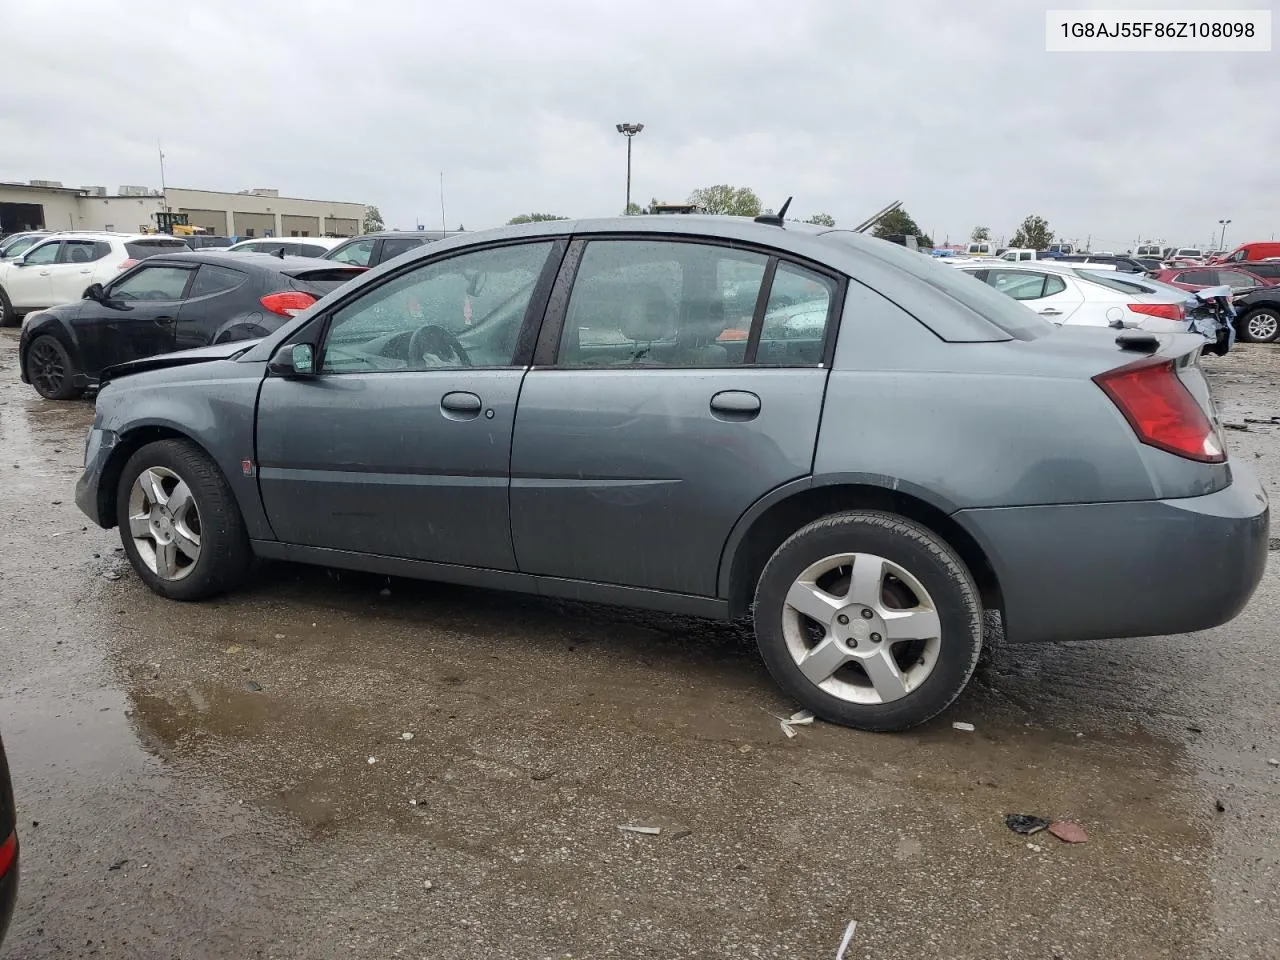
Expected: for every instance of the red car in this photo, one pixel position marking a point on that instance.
(1197, 277)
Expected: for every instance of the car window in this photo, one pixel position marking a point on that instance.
(141, 249)
(358, 253)
(212, 279)
(83, 251)
(20, 245)
(1270, 271)
(1236, 280)
(460, 312)
(305, 250)
(1053, 284)
(1205, 277)
(1111, 281)
(157, 282)
(1019, 284)
(662, 303)
(44, 253)
(795, 318)
(394, 247)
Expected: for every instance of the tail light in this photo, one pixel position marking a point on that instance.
(8, 851)
(127, 264)
(1161, 410)
(287, 304)
(1167, 311)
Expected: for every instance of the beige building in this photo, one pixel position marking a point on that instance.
(249, 213)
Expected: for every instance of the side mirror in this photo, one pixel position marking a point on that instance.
(20, 261)
(296, 360)
(94, 292)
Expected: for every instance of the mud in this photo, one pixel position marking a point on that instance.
(183, 813)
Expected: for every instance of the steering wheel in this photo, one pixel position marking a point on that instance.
(434, 340)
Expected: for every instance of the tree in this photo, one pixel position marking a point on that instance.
(822, 220)
(373, 219)
(535, 218)
(633, 210)
(899, 222)
(979, 234)
(722, 198)
(1034, 234)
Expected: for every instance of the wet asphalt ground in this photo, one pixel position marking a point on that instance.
(234, 779)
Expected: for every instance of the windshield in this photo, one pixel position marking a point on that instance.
(1007, 315)
(20, 245)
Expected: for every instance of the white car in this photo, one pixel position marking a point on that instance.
(60, 268)
(1064, 294)
(292, 246)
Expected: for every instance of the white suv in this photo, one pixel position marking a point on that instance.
(61, 267)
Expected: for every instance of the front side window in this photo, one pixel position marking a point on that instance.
(358, 253)
(1236, 280)
(1238, 256)
(393, 248)
(45, 253)
(152, 283)
(465, 311)
(83, 251)
(1018, 284)
(1199, 277)
(661, 303)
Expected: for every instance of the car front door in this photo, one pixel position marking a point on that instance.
(675, 384)
(135, 317)
(73, 273)
(400, 444)
(28, 282)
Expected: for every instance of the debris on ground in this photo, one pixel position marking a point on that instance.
(844, 941)
(1035, 848)
(787, 729)
(280, 636)
(1274, 762)
(253, 686)
(801, 718)
(628, 828)
(384, 592)
(679, 833)
(406, 735)
(111, 575)
(233, 649)
(1235, 425)
(1191, 728)
(1025, 823)
(372, 760)
(427, 884)
(962, 725)
(117, 865)
(1219, 806)
(1068, 832)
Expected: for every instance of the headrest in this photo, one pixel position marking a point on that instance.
(648, 315)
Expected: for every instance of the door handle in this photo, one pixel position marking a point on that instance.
(460, 405)
(1050, 312)
(735, 405)
(86, 271)
(44, 273)
(164, 321)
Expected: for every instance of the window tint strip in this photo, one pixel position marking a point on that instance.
(757, 319)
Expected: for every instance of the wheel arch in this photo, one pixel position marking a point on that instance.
(778, 515)
(129, 443)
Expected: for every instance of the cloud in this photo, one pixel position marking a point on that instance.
(954, 108)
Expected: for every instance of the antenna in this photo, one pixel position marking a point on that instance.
(774, 219)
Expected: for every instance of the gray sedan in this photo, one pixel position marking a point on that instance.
(861, 448)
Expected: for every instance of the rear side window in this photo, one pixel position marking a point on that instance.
(308, 250)
(83, 251)
(1236, 280)
(211, 279)
(141, 249)
(1112, 282)
(395, 247)
(1206, 277)
(795, 318)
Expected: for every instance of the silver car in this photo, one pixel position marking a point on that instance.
(860, 447)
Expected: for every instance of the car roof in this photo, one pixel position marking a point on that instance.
(262, 261)
(314, 241)
(110, 235)
(411, 234)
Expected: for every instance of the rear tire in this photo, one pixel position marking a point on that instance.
(8, 316)
(1260, 326)
(50, 370)
(896, 625)
(179, 522)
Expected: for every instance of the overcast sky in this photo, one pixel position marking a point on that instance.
(952, 106)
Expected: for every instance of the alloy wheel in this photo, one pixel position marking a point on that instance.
(862, 628)
(1263, 326)
(45, 367)
(164, 523)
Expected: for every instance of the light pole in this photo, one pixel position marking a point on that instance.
(629, 130)
(1222, 244)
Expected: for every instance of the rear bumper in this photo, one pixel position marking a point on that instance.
(1131, 569)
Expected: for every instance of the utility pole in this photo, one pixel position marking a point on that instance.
(629, 130)
(444, 227)
(164, 192)
(1222, 243)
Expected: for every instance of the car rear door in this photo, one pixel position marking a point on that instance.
(136, 316)
(400, 445)
(675, 384)
(74, 271)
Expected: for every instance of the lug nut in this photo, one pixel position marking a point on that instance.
(866, 614)
(842, 619)
(875, 638)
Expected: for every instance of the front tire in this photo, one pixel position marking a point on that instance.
(1260, 326)
(179, 522)
(869, 620)
(50, 370)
